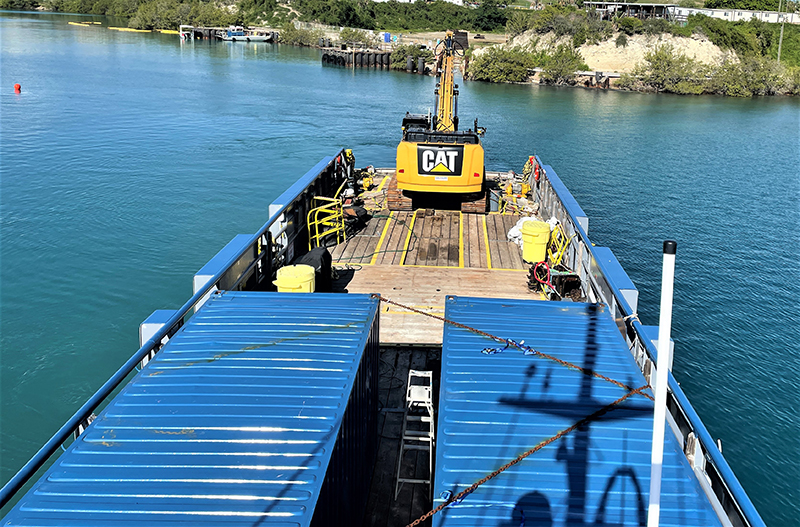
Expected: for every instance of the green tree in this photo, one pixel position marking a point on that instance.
(752, 5)
(518, 23)
(488, 16)
(25, 5)
(666, 69)
(629, 25)
(401, 53)
(562, 64)
(497, 64)
(289, 34)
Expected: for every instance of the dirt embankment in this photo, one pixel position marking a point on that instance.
(607, 57)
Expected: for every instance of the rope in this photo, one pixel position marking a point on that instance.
(510, 342)
(634, 316)
(461, 495)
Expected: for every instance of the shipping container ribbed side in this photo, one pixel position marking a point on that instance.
(498, 402)
(346, 488)
(260, 410)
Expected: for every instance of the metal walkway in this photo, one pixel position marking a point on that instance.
(495, 407)
(233, 423)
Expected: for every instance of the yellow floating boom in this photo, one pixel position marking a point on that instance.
(131, 30)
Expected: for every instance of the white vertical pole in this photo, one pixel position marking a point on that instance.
(662, 378)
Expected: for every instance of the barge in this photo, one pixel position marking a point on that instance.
(250, 406)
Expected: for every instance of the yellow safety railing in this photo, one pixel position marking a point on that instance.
(325, 220)
(559, 241)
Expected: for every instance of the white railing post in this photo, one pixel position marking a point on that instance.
(662, 379)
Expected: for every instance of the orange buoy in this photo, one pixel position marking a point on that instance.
(17, 88)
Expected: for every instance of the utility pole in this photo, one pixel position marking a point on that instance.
(780, 40)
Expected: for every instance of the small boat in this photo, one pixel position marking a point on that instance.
(239, 34)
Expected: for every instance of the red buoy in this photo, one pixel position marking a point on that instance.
(17, 88)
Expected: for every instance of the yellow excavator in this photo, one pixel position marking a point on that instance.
(434, 156)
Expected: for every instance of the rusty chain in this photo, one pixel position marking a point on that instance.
(522, 456)
(510, 342)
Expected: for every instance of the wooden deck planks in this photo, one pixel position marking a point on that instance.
(408, 221)
(443, 241)
(516, 253)
(437, 240)
(425, 288)
(433, 223)
(474, 241)
(454, 244)
(398, 238)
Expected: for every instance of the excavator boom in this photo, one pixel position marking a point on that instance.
(445, 112)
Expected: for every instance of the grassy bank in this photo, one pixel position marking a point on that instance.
(666, 70)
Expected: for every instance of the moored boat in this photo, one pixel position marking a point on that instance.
(240, 34)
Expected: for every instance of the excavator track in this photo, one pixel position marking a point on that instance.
(395, 198)
(476, 206)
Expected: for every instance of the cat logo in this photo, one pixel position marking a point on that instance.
(440, 160)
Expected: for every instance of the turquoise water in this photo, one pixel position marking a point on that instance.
(128, 160)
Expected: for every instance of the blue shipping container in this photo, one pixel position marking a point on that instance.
(260, 410)
(494, 407)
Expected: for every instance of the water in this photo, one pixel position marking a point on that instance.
(128, 160)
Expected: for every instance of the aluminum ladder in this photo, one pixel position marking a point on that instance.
(418, 426)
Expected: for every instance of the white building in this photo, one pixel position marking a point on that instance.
(680, 14)
(734, 15)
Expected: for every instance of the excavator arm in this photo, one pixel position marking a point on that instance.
(446, 93)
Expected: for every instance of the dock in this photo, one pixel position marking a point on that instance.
(356, 58)
(216, 33)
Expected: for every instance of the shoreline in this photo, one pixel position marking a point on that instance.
(785, 80)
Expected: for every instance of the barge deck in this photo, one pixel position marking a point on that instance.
(416, 257)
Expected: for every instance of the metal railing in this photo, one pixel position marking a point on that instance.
(711, 468)
(287, 218)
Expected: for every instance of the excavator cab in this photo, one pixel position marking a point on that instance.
(433, 155)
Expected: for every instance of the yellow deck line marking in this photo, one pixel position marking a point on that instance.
(434, 266)
(383, 182)
(460, 239)
(486, 241)
(408, 239)
(380, 240)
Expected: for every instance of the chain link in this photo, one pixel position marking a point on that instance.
(511, 342)
(542, 444)
(522, 456)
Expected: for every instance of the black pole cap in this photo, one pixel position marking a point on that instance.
(670, 246)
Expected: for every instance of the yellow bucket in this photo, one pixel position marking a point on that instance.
(535, 237)
(295, 279)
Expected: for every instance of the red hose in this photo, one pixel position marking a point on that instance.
(546, 280)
